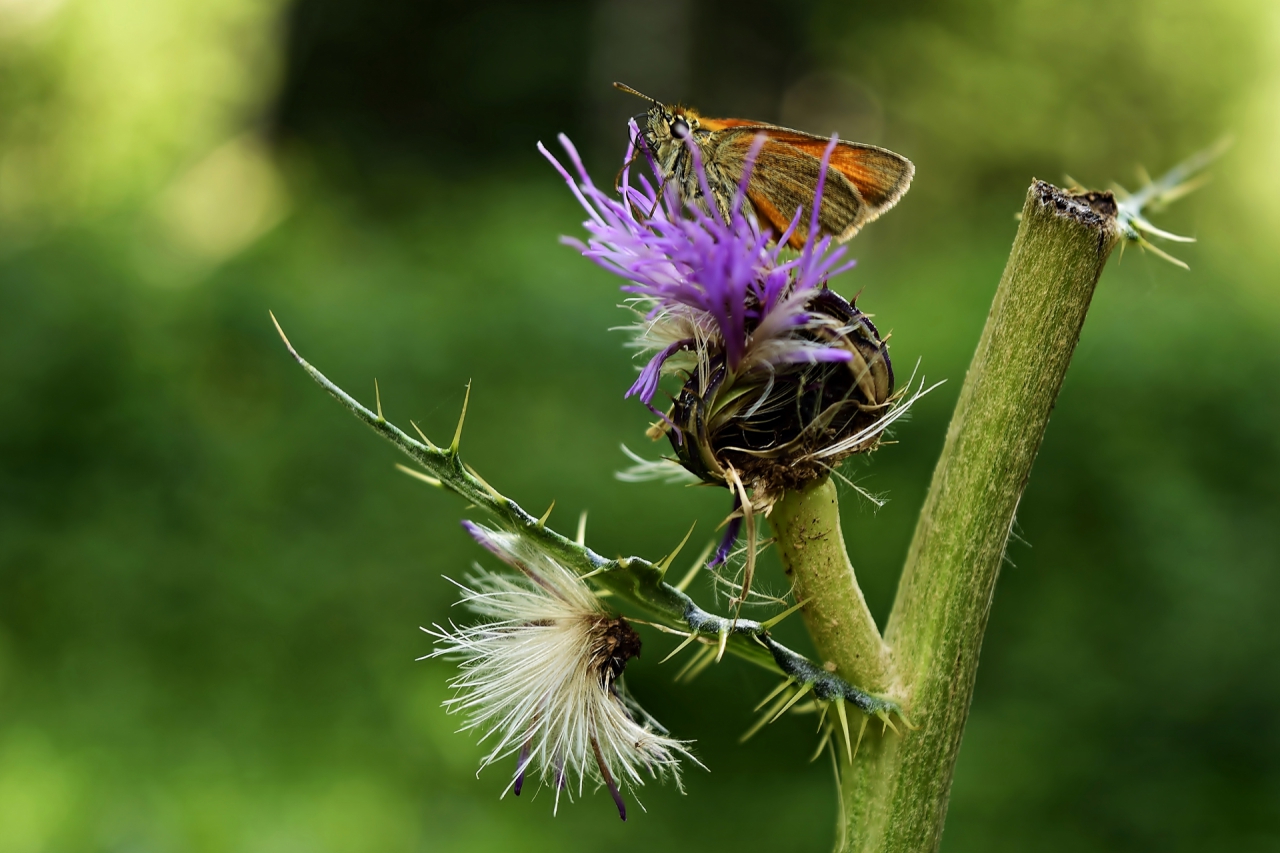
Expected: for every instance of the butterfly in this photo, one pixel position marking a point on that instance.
(862, 181)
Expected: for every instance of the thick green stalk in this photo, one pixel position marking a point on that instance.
(895, 794)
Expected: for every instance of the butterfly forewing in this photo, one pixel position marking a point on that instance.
(784, 180)
(788, 167)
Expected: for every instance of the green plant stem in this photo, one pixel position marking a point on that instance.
(633, 579)
(811, 545)
(895, 794)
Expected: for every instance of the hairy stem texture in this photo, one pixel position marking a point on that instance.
(895, 793)
(807, 524)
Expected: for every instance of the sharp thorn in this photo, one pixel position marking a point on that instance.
(418, 475)
(293, 352)
(844, 724)
(883, 715)
(787, 682)
(801, 691)
(665, 563)
(678, 649)
(822, 743)
(488, 488)
(457, 434)
(420, 433)
(423, 436)
(657, 626)
(1160, 253)
(774, 620)
(764, 719)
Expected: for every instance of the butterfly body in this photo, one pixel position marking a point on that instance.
(862, 181)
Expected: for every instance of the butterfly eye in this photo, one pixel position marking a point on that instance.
(679, 128)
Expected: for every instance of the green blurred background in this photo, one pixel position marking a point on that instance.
(211, 577)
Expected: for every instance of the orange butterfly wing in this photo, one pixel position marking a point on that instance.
(880, 175)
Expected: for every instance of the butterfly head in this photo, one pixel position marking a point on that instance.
(664, 128)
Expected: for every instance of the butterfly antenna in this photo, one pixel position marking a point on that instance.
(623, 87)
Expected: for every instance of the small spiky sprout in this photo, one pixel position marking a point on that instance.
(1131, 208)
(542, 678)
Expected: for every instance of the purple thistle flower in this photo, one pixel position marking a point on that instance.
(701, 282)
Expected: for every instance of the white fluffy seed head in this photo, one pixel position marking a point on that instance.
(539, 680)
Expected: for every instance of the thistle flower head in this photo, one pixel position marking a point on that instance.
(781, 377)
(541, 678)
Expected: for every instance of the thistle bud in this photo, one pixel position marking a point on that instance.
(782, 425)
